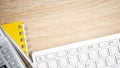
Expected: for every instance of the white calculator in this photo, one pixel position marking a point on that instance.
(9, 58)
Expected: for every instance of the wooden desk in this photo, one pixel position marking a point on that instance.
(54, 23)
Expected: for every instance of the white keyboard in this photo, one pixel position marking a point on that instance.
(102, 52)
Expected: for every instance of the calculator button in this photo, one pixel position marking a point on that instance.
(5, 50)
(4, 66)
(5, 43)
(18, 67)
(9, 56)
(13, 63)
(1, 61)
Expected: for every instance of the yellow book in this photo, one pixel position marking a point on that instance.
(16, 31)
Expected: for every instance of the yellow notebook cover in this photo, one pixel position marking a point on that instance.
(16, 31)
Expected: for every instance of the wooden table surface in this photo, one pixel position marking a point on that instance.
(54, 23)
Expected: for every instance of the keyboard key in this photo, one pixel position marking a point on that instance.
(104, 44)
(51, 55)
(110, 61)
(118, 59)
(42, 65)
(73, 59)
(5, 50)
(40, 58)
(1, 61)
(70, 66)
(83, 57)
(103, 52)
(93, 46)
(83, 48)
(9, 56)
(114, 42)
(113, 50)
(52, 64)
(62, 53)
(13, 63)
(93, 55)
(62, 62)
(90, 65)
(115, 67)
(61, 67)
(101, 63)
(80, 66)
(72, 51)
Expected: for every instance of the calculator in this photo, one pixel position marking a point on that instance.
(9, 57)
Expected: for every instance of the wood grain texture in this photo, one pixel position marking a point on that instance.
(54, 23)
